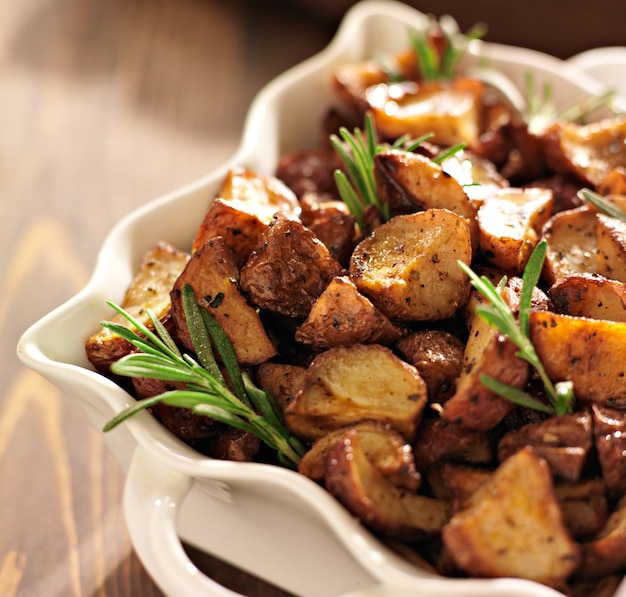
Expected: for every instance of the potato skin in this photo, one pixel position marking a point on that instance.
(408, 266)
(589, 352)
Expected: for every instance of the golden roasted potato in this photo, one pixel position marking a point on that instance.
(606, 553)
(590, 151)
(510, 221)
(512, 525)
(589, 352)
(438, 356)
(450, 110)
(342, 316)
(348, 384)
(456, 482)
(212, 273)
(149, 289)
(245, 204)
(408, 266)
(290, 270)
(589, 295)
(381, 506)
(572, 243)
(611, 234)
(565, 441)
(614, 183)
(383, 446)
(411, 182)
(487, 352)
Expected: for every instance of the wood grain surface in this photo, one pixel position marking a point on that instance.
(105, 104)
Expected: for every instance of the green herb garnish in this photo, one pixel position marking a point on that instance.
(207, 392)
(499, 315)
(602, 205)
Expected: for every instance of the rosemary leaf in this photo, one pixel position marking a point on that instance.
(601, 204)
(515, 395)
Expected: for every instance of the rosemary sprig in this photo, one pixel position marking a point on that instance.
(499, 315)
(602, 205)
(207, 392)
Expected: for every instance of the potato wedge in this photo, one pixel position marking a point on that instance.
(510, 221)
(342, 316)
(450, 110)
(614, 183)
(565, 441)
(381, 506)
(212, 273)
(611, 233)
(348, 384)
(572, 243)
(245, 204)
(282, 380)
(590, 151)
(408, 266)
(383, 446)
(411, 182)
(589, 295)
(290, 270)
(512, 526)
(589, 352)
(149, 289)
(438, 356)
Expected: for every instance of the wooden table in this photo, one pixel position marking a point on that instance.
(105, 105)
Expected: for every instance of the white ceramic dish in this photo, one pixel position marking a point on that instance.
(267, 520)
(607, 65)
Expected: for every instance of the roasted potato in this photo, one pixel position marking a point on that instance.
(589, 352)
(584, 506)
(408, 266)
(383, 507)
(512, 525)
(609, 427)
(282, 380)
(342, 316)
(510, 221)
(383, 446)
(212, 273)
(149, 289)
(290, 270)
(348, 384)
(589, 295)
(611, 233)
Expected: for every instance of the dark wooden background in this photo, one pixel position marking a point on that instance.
(105, 105)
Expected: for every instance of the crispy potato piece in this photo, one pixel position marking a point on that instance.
(584, 506)
(342, 316)
(487, 352)
(606, 553)
(450, 110)
(512, 526)
(244, 206)
(348, 384)
(439, 441)
(565, 441)
(234, 444)
(150, 289)
(611, 234)
(310, 170)
(589, 152)
(572, 243)
(381, 506)
(383, 446)
(408, 266)
(589, 352)
(609, 427)
(457, 482)
(212, 273)
(282, 380)
(614, 183)
(474, 173)
(438, 356)
(411, 182)
(289, 272)
(510, 221)
(589, 295)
